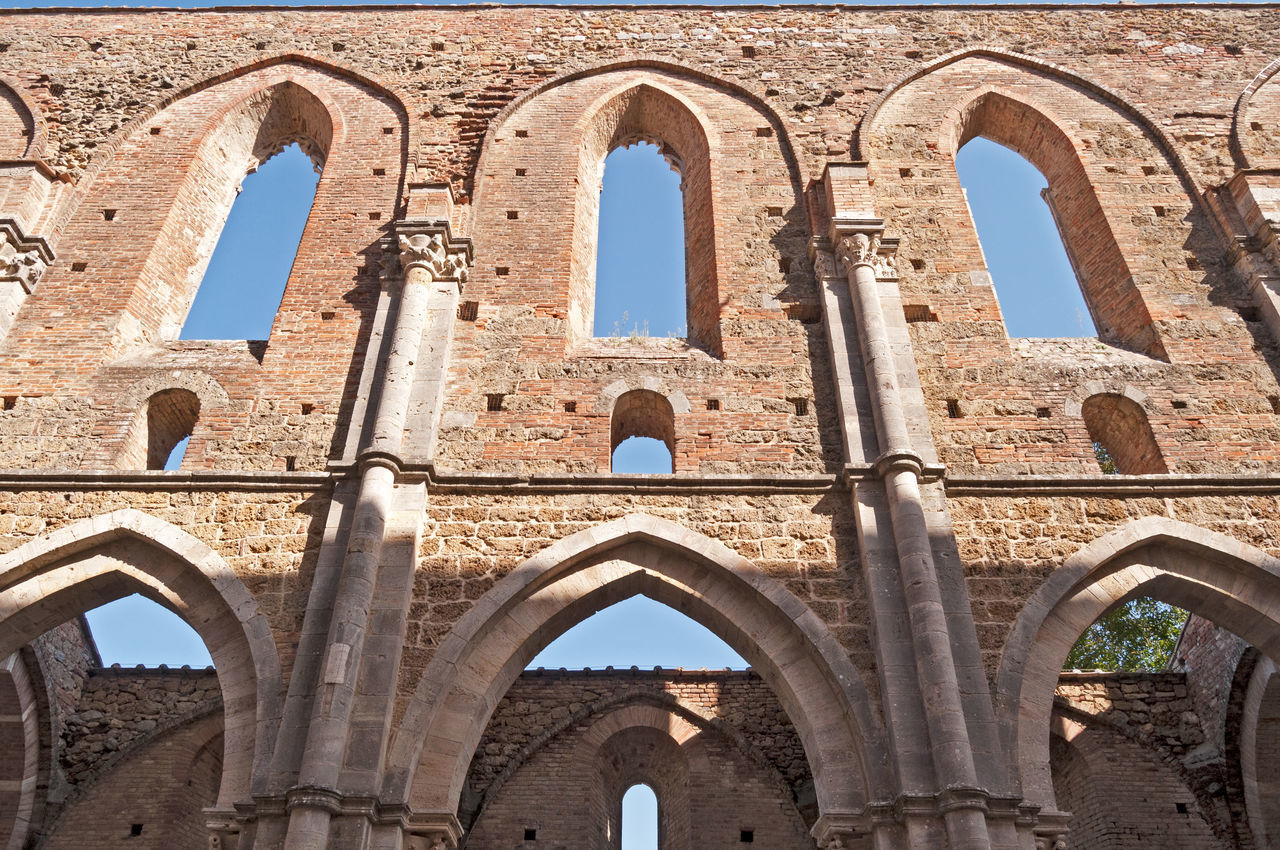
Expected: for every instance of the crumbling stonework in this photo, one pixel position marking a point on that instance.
(889, 507)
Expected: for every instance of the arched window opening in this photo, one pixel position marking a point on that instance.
(159, 438)
(134, 630)
(657, 124)
(642, 433)
(640, 818)
(1040, 295)
(640, 276)
(1137, 635)
(638, 632)
(1122, 438)
(244, 283)
(1106, 282)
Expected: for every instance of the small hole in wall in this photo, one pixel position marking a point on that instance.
(522, 134)
(1255, 125)
(155, 131)
(79, 267)
(747, 836)
(1180, 808)
(1159, 211)
(387, 131)
(748, 51)
(521, 172)
(774, 212)
(1042, 413)
(512, 215)
(135, 829)
(953, 408)
(379, 172)
(375, 216)
(917, 265)
(437, 45)
(260, 45)
(784, 264)
(501, 271)
(290, 463)
(1179, 404)
(1233, 49)
(108, 215)
(801, 405)
(338, 47)
(494, 401)
(713, 404)
(10, 402)
(905, 172)
(764, 132)
(570, 407)
(1274, 401)
(1194, 265)
(326, 315)
(1148, 170)
(531, 835)
(307, 407)
(916, 313)
(468, 310)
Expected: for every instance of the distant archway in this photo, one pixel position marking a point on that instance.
(785, 642)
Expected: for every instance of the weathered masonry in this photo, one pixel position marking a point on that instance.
(887, 505)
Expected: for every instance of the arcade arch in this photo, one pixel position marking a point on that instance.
(781, 638)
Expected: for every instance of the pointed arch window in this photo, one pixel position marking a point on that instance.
(1121, 435)
(657, 122)
(643, 433)
(1108, 289)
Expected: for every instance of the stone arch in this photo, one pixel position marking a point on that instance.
(1086, 141)
(22, 131)
(1120, 426)
(97, 560)
(1207, 573)
(785, 642)
(681, 720)
(1259, 749)
(1249, 147)
(20, 768)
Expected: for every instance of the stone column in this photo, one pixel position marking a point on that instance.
(900, 468)
(430, 257)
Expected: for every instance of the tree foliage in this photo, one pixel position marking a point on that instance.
(1138, 635)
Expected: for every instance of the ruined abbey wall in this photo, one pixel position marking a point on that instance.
(891, 508)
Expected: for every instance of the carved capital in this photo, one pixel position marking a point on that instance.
(867, 249)
(432, 247)
(23, 259)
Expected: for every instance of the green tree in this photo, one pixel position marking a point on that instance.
(1138, 635)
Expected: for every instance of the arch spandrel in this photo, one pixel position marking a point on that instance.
(75, 568)
(1210, 574)
(789, 646)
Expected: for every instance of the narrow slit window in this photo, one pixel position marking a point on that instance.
(244, 284)
(1039, 292)
(640, 261)
(640, 818)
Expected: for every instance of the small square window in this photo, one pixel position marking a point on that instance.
(1181, 808)
(10, 402)
(713, 404)
(570, 407)
(387, 131)
(108, 215)
(747, 836)
(764, 132)
(155, 131)
(135, 829)
(494, 401)
(79, 267)
(521, 172)
(531, 835)
(501, 271)
(748, 51)
(379, 172)
(1042, 413)
(512, 215)
(522, 134)
(468, 310)
(953, 408)
(774, 212)
(801, 406)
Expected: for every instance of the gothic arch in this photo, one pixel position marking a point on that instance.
(785, 642)
(22, 129)
(1049, 69)
(97, 560)
(1205, 572)
(1085, 140)
(1246, 147)
(664, 65)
